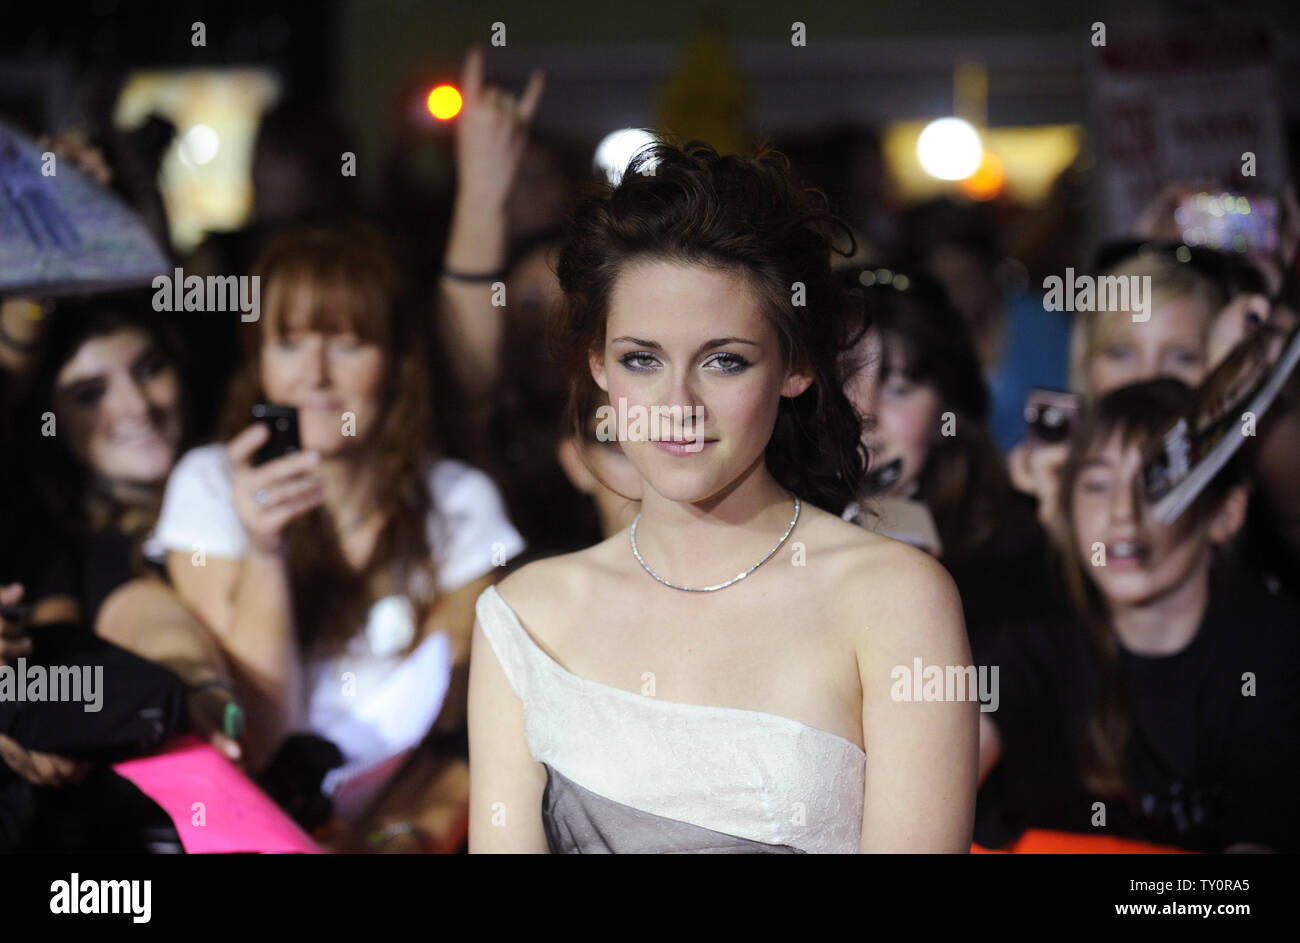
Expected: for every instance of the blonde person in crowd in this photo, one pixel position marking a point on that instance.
(1109, 349)
(1202, 304)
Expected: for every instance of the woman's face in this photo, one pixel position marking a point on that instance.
(616, 485)
(334, 379)
(900, 416)
(610, 465)
(1144, 560)
(690, 345)
(1171, 343)
(118, 401)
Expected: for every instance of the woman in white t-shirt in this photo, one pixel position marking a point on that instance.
(341, 579)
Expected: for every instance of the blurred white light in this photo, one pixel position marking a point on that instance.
(617, 149)
(949, 149)
(199, 145)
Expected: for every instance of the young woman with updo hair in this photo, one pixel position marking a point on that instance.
(716, 676)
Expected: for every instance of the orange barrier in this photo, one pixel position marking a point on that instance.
(1040, 841)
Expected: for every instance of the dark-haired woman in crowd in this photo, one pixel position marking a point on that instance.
(102, 416)
(627, 696)
(938, 479)
(1167, 711)
(98, 420)
(340, 579)
(928, 435)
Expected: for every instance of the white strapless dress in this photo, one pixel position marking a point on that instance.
(628, 773)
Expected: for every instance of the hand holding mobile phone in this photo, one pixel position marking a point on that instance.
(282, 424)
(1049, 415)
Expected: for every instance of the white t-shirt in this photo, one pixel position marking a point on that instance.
(372, 702)
(198, 513)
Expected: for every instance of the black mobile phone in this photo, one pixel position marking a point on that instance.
(1049, 414)
(282, 423)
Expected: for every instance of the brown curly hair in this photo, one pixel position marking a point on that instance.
(741, 214)
(358, 285)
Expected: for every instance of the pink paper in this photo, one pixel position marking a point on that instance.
(236, 815)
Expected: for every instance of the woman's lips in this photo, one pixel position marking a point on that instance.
(682, 447)
(1127, 555)
(139, 438)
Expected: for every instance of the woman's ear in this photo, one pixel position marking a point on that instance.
(1022, 478)
(569, 455)
(795, 383)
(1230, 516)
(596, 361)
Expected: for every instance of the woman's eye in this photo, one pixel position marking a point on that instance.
(1117, 351)
(1094, 486)
(89, 394)
(638, 361)
(346, 344)
(286, 342)
(899, 389)
(1187, 358)
(728, 363)
(150, 367)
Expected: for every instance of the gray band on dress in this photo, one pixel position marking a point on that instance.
(578, 821)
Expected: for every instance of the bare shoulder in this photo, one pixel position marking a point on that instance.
(542, 592)
(858, 554)
(884, 587)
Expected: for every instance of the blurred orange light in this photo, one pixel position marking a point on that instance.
(444, 102)
(987, 180)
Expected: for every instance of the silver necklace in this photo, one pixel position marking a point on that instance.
(735, 579)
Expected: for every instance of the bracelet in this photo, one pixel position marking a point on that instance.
(482, 277)
(215, 682)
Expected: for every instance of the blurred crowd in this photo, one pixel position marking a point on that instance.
(237, 598)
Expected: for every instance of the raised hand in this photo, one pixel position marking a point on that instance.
(267, 497)
(492, 131)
